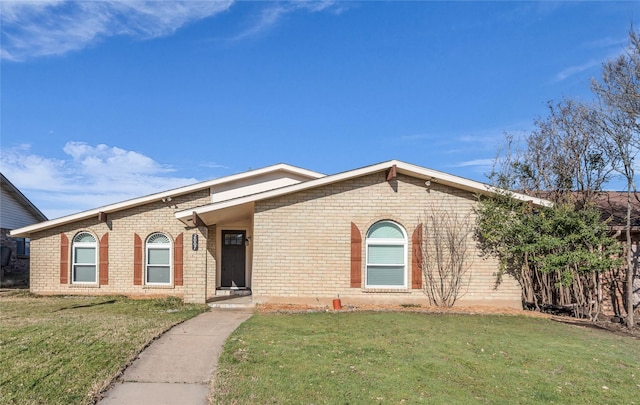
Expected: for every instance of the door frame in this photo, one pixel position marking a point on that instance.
(247, 257)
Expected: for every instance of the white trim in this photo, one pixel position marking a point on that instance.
(252, 195)
(27, 230)
(158, 246)
(387, 242)
(403, 168)
(94, 245)
(248, 253)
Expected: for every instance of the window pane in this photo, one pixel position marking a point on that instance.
(234, 239)
(84, 237)
(389, 254)
(158, 238)
(85, 255)
(84, 274)
(158, 256)
(20, 246)
(385, 230)
(385, 276)
(158, 274)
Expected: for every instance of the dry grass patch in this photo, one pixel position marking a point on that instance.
(65, 350)
(469, 310)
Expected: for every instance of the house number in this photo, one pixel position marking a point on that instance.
(194, 241)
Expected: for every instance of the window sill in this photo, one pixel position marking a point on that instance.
(79, 285)
(386, 290)
(158, 287)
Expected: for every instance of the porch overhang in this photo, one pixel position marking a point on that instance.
(216, 213)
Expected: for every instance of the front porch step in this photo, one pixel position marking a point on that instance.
(232, 292)
(231, 298)
(231, 301)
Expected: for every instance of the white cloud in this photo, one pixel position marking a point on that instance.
(91, 176)
(273, 13)
(54, 27)
(476, 162)
(614, 47)
(99, 159)
(213, 165)
(268, 18)
(607, 42)
(574, 70)
(33, 29)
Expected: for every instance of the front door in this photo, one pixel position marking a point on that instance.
(233, 259)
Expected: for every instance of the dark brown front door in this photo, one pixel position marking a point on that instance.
(233, 259)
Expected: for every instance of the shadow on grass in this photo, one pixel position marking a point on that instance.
(86, 305)
(612, 327)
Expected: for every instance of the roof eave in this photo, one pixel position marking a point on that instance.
(22, 198)
(42, 226)
(186, 216)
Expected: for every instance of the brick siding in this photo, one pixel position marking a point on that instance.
(300, 249)
(121, 226)
(302, 245)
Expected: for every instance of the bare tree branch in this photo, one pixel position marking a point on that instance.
(446, 261)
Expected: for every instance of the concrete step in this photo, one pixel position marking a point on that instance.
(230, 292)
(229, 302)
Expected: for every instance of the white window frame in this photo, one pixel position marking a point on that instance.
(387, 242)
(157, 246)
(77, 244)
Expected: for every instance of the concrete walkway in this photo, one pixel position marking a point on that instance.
(177, 368)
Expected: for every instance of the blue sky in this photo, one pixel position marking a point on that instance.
(103, 101)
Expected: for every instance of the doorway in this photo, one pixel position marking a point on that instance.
(233, 260)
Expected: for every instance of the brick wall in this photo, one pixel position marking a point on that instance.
(301, 245)
(121, 227)
(302, 249)
(211, 261)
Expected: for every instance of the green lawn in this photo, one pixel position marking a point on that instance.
(57, 350)
(393, 358)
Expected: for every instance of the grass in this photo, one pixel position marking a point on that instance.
(392, 358)
(64, 350)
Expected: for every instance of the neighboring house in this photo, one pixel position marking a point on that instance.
(284, 233)
(613, 205)
(16, 211)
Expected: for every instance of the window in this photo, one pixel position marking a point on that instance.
(158, 265)
(386, 256)
(234, 239)
(23, 247)
(85, 257)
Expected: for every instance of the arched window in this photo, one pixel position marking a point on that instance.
(158, 262)
(85, 258)
(386, 256)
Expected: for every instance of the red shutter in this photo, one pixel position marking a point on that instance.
(356, 257)
(177, 260)
(416, 260)
(104, 259)
(137, 260)
(64, 259)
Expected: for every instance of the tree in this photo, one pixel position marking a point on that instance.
(618, 92)
(445, 252)
(577, 147)
(555, 253)
(561, 159)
